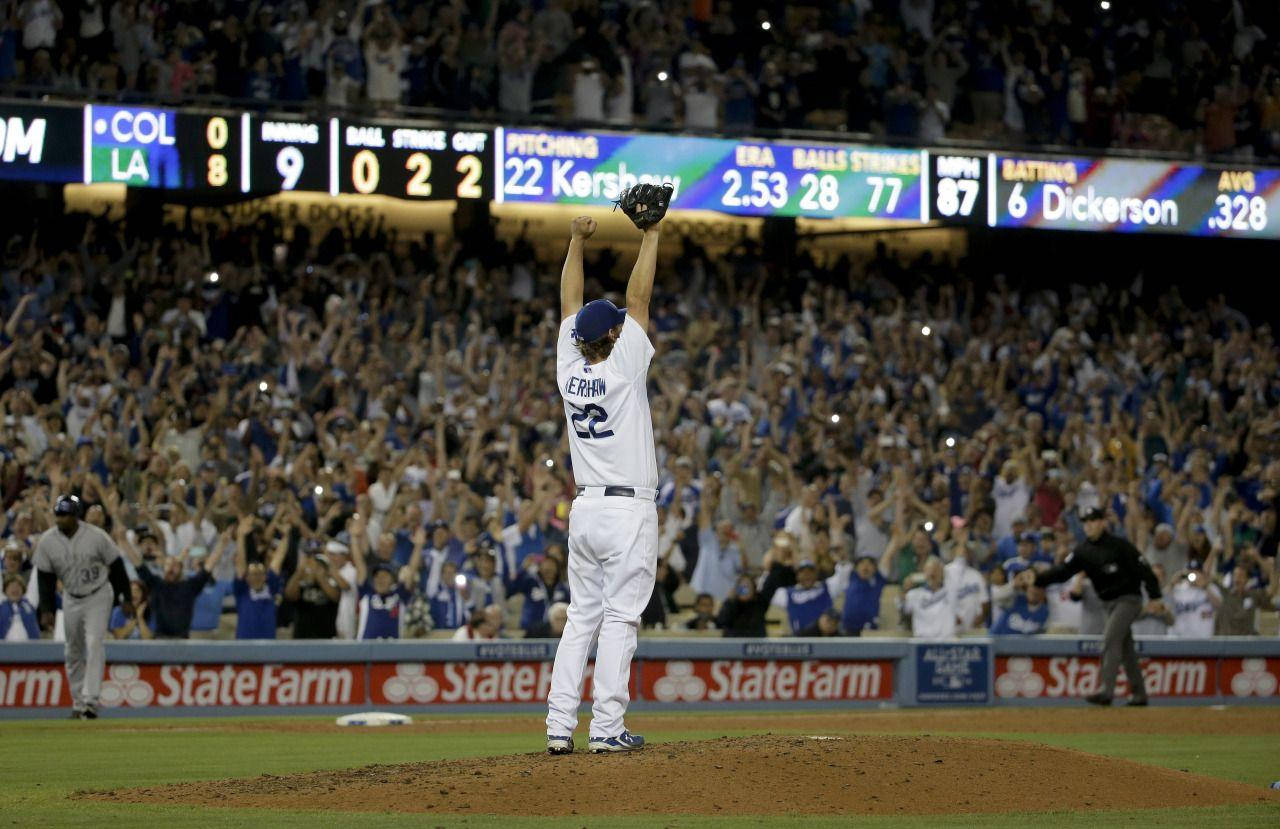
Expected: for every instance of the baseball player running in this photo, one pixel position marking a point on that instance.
(84, 559)
(602, 365)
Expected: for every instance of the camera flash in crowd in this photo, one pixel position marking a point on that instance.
(262, 387)
(460, 580)
(550, 463)
(835, 418)
(926, 330)
(928, 526)
(319, 490)
(1105, 5)
(213, 277)
(951, 442)
(766, 25)
(662, 77)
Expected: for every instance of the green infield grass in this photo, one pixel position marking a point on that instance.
(45, 762)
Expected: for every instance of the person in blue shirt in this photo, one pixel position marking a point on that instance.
(523, 536)
(1028, 556)
(1007, 547)
(136, 626)
(1028, 614)
(17, 615)
(206, 613)
(484, 585)
(257, 589)
(810, 596)
(862, 595)
(444, 541)
(542, 586)
(382, 603)
(447, 594)
(720, 558)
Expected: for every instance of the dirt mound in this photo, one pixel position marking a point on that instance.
(758, 775)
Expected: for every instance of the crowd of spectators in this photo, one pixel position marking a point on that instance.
(358, 435)
(1171, 75)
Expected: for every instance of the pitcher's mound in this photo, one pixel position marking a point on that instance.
(819, 774)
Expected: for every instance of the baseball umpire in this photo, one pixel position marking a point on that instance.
(1118, 572)
(602, 367)
(84, 559)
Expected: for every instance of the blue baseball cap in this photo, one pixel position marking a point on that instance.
(596, 318)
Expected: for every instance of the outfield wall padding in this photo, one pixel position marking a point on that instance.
(255, 677)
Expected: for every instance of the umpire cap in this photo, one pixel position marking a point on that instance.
(67, 505)
(596, 318)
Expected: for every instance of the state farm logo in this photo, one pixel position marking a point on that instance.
(1020, 680)
(679, 683)
(735, 680)
(1070, 676)
(124, 685)
(410, 683)
(1253, 680)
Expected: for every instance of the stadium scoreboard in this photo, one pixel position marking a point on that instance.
(287, 155)
(410, 162)
(240, 152)
(252, 153)
(1124, 195)
(745, 178)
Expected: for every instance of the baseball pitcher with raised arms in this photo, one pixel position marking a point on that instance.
(602, 366)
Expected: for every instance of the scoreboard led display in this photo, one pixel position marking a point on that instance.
(233, 152)
(748, 178)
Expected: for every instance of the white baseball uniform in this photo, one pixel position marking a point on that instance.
(933, 612)
(1193, 611)
(613, 539)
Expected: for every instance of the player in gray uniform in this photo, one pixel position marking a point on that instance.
(84, 559)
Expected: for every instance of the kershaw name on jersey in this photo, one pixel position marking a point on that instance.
(607, 408)
(583, 387)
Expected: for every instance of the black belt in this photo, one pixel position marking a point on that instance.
(617, 491)
(86, 595)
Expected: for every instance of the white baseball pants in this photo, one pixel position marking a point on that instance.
(613, 558)
(85, 650)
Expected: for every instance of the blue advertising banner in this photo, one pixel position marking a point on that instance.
(952, 673)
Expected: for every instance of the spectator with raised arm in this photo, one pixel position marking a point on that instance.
(257, 589)
(172, 595)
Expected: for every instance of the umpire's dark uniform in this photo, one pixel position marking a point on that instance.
(1118, 572)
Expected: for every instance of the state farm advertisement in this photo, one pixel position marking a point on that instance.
(1250, 677)
(190, 686)
(407, 683)
(738, 680)
(1079, 676)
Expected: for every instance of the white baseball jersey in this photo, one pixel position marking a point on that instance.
(1065, 613)
(933, 612)
(969, 592)
(1193, 612)
(81, 562)
(607, 406)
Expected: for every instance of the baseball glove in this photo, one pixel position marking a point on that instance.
(645, 204)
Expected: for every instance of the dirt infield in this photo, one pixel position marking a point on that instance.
(762, 774)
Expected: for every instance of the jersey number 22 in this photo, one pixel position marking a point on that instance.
(593, 416)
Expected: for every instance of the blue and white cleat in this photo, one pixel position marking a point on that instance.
(626, 741)
(559, 745)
